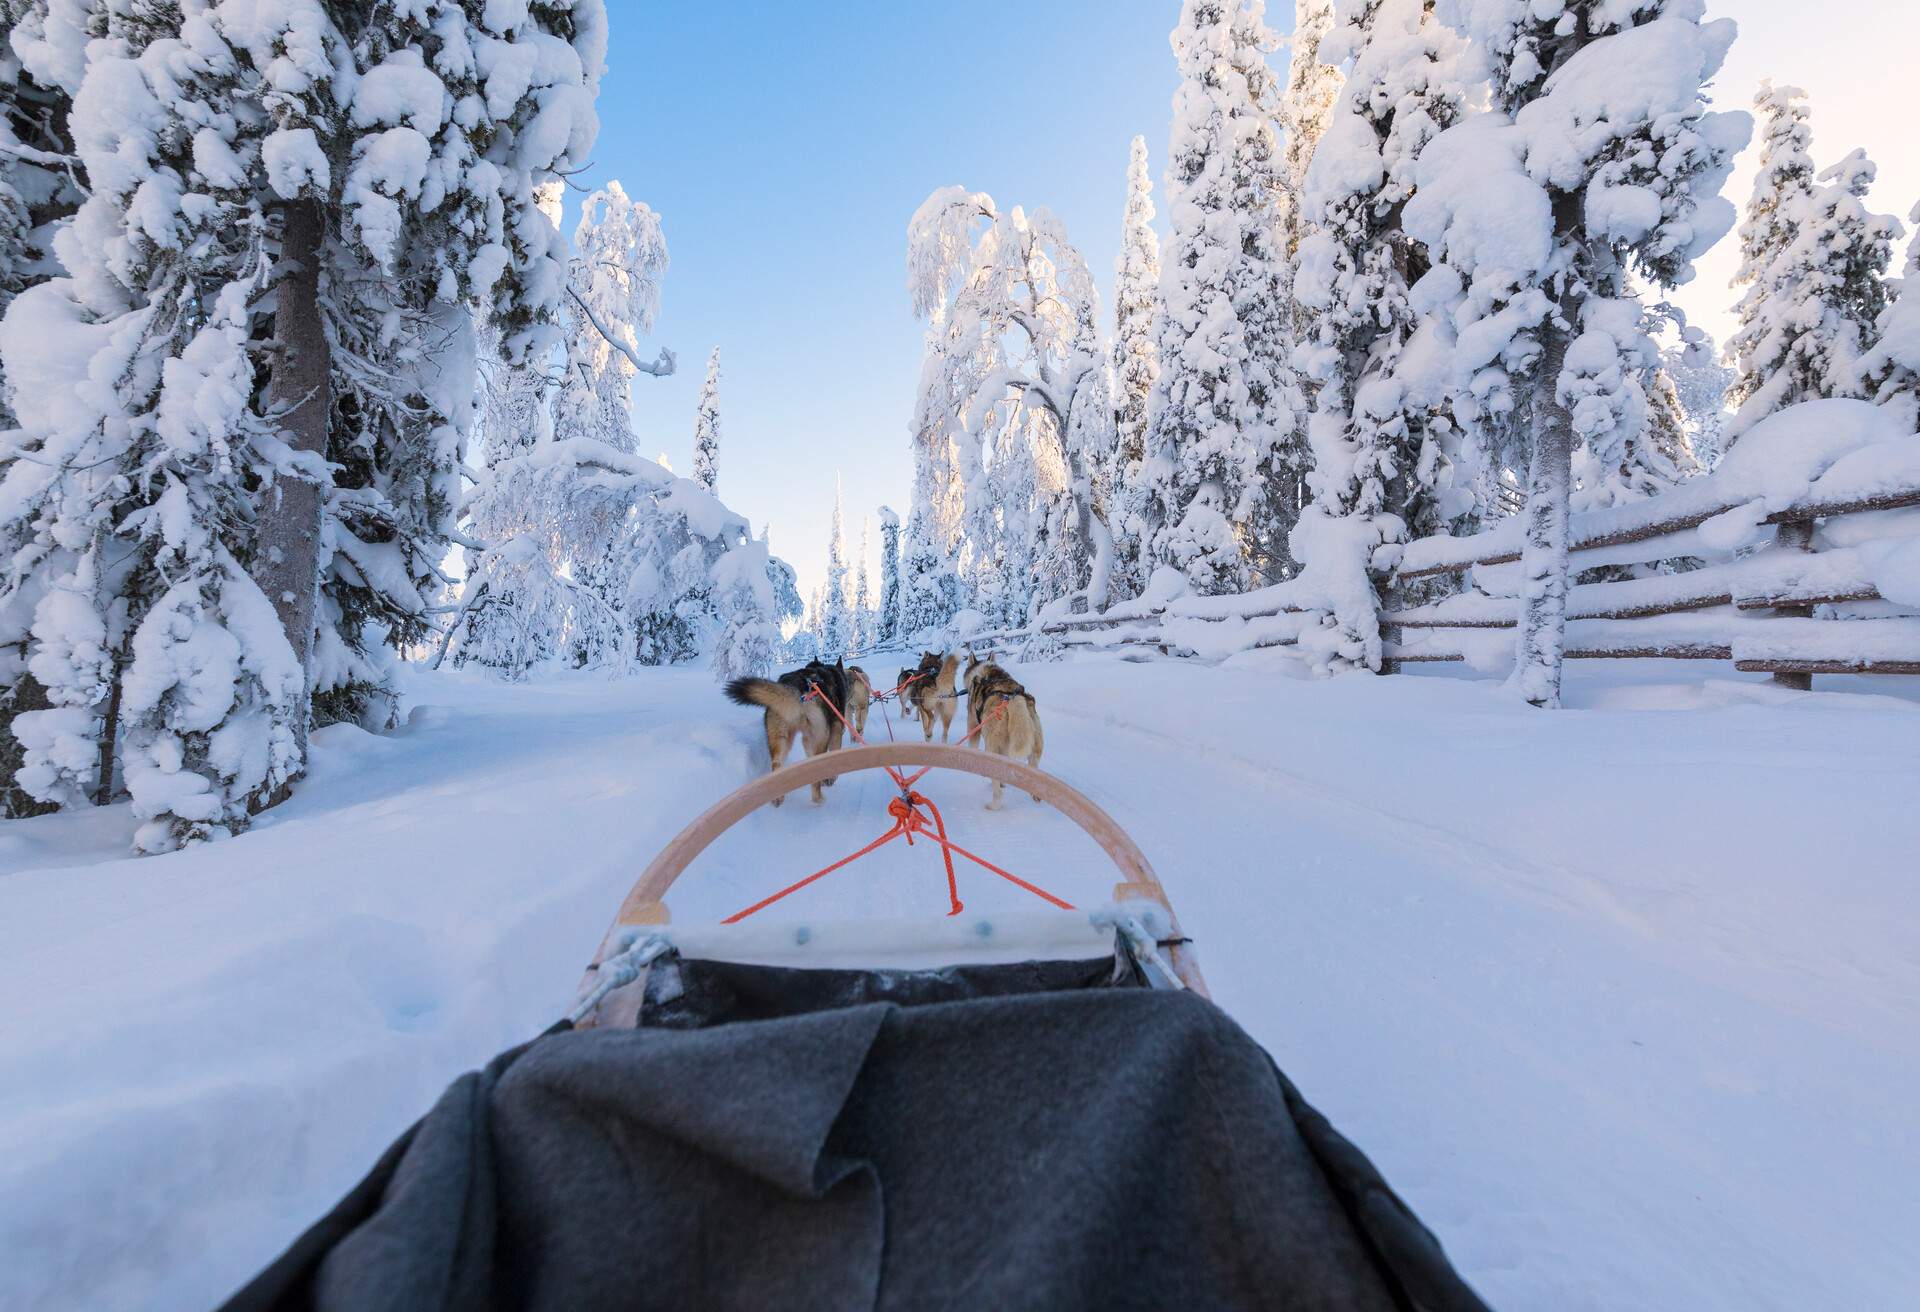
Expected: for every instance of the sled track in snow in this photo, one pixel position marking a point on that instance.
(1473, 854)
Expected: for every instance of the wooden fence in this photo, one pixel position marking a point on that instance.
(1739, 580)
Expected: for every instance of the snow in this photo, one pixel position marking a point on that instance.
(1662, 1063)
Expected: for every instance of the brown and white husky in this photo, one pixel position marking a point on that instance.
(1012, 717)
(789, 713)
(930, 695)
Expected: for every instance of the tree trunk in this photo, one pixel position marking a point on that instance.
(1541, 638)
(109, 736)
(287, 562)
(26, 694)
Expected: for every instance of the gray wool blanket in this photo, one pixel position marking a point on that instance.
(1071, 1148)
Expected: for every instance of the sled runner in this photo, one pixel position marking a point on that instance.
(1036, 1110)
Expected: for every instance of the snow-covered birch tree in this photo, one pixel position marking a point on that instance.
(706, 427)
(1013, 328)
(1599, 155)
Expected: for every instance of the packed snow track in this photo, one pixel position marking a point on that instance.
(1625, 1001)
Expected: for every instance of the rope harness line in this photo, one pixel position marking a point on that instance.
(908, 819)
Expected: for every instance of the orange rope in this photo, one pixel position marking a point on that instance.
(907, 822)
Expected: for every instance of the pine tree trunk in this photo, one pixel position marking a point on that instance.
(25, 694)
(1543, 559)
(109, 738)
(287, 562)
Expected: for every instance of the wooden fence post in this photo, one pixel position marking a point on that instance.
(1795, 534)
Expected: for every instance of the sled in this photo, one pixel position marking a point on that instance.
(1140, 920)
(1010, 1110)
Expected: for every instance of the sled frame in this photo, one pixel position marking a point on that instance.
(645, 903)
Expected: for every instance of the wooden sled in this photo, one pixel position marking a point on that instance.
(1140, 913)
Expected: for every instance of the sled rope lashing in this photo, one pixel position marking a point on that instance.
(908, 821)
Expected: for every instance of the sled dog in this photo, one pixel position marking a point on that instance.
(930, 694)
(788, 712)
(1011, 715)
(859, 698)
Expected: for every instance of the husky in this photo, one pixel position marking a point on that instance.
(789, 712)
(1011, 716)
(859, 698)
(930, 695)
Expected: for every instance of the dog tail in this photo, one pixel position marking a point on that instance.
(948, 666)
(774, 698)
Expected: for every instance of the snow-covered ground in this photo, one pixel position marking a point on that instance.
(1625, 999)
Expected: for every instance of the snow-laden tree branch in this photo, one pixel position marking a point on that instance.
(662, 366)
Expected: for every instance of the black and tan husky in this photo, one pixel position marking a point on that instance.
(1012, 716)
(930, 694)
(789, 713)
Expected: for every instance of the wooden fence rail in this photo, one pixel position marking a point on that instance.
(1726, 592)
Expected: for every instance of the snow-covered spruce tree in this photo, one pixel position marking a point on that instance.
(887, 629)
(1599, 155)
(1136, 363)
(1306, 105)
(929, 582)
(863, 614)
(1890, 371)
(1261, 291)
(37, 193)
(1819, 301)
(1782, 185)
(1384, 441)
(706, 427)
(835, 618)
(1199, 451)
(816, 620)
(1012, 318)
(251, 175)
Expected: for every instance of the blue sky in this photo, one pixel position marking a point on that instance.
(785, 145)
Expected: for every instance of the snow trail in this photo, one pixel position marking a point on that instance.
(1619, 1028)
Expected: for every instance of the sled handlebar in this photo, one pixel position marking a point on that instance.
(645, 903)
